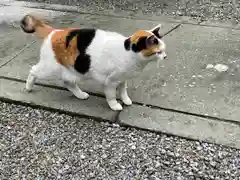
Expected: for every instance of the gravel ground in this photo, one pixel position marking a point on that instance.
(227, 10)
(37, 144)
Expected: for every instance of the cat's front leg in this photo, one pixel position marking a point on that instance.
(123, 94)
(30, 82)
(32, 77)
(110, 93)
(73, 87)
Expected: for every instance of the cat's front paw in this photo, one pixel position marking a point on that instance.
(28, 88)
(82, 95)
(115, 106)
(127, 101)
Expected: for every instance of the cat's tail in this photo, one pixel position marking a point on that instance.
(33, 24)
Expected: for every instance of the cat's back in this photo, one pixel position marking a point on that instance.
(106, 43)
(107, 52)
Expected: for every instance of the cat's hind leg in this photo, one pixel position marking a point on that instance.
(41, 70)
(32, 77)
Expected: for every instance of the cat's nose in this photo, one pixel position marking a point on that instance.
(164, 55)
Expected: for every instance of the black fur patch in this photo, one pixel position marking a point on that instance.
(127, 44)
(140, 45)
(82, 63)
(84, 39)
(156, 33)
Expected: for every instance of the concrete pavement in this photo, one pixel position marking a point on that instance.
(183, 97)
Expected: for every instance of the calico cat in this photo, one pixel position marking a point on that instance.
(108, 57)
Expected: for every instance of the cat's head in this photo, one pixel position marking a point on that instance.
(147, 44)
(30, 22)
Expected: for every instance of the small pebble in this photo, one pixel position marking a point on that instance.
(221, 67)
(209, 66)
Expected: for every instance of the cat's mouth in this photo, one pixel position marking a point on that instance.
(158, 53)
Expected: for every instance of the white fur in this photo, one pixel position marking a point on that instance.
(111, 65)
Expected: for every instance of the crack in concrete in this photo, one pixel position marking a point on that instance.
(116, 117)
(173, 29)
(17, 54)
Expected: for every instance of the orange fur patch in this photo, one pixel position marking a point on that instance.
(43, 31)
(134, 38)
(146, 52)
(151, 50)
(64, 56)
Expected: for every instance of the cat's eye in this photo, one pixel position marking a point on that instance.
(155, 41)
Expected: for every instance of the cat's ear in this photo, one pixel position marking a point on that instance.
(156, 30)
(127, 44)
